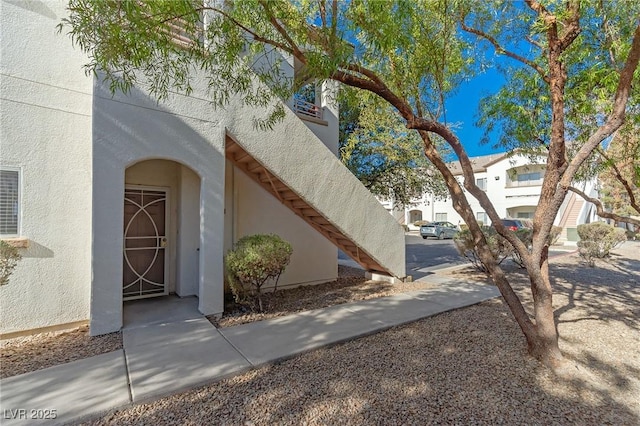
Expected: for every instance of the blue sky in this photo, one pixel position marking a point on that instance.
(462, 109)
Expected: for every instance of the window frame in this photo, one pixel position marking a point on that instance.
(527, 177)
(482, 187)
(485, 216)
(19, 215)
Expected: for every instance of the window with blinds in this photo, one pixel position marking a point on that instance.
(9, 201)
(181, 34)
(482, 183)
(441, 217)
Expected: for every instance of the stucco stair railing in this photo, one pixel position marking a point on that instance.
(326, 225)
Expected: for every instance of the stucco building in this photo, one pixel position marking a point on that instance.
(115, 197)
(513, 183)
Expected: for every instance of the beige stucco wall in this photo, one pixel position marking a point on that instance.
(258, 212)
(188, 241)
(74, 142)
(128, 129)
(45, 116)
(303, 162)
(328, 131)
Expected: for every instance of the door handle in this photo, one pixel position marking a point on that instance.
(163, 242)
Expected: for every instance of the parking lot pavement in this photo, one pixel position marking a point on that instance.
(425, 256)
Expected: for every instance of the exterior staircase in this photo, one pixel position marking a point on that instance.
(268, 181)
(571, 214)
(293, 165)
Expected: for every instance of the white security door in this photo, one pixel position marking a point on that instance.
(145, 242)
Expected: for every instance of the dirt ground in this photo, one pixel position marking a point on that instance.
(467, 366)
(31, 353)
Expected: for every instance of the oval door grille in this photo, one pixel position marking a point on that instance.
(145, 225)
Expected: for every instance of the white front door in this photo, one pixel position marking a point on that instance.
(145, 242)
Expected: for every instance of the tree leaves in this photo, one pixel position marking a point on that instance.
(380, 151)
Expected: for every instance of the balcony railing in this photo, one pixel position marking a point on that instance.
(307, 109)
(521, 183)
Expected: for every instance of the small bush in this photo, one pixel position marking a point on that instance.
(526, 236)
(619, 237)
(500, 247)
(597, 239)
(9, 258)
(420, 223)
(255, 260)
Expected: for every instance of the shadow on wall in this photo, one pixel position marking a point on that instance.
(128, 129)
(35, 6)
(36, 251)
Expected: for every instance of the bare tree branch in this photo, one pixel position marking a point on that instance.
(629, 187)
(537, 7)
(283, 32)
(600, 209)
(426, 125)
(322, 6)
(366, 72)
(498, 47)
(535, 43)
(253, 34)
(375, 86)
(571, 25)
(334, 19)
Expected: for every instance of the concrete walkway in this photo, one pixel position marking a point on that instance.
(169, 347)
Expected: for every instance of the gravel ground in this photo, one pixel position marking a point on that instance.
(467, 366)
(30, 353)
(350, 287)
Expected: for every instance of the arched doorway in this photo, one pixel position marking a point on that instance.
(161, 230)
(415, 216)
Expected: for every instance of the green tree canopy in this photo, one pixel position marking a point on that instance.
(570, 86)
(379, 150)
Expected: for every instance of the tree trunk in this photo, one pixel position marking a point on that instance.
(541, 336)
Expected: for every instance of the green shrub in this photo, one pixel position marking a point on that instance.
(255, 260)
(420, 222)
(526, 236)
(500, 247)
(619, 237)
(631, 235)
(597, 239)
(9, 258)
